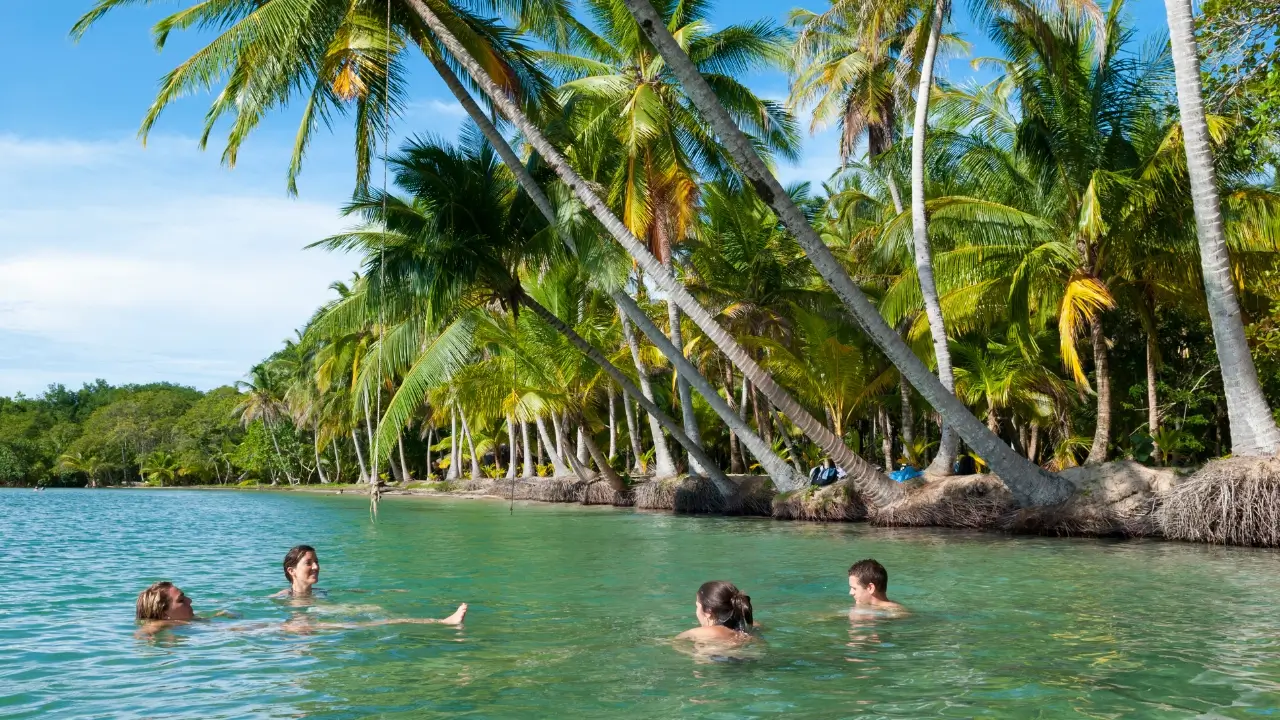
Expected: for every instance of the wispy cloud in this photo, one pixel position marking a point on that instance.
(154, 265)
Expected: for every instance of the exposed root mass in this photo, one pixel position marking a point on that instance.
(960, 501)
(834, 503)
(1233, 502)
(601, 493)
(698, 495)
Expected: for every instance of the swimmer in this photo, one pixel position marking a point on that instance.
(164, 605)
(724, 615)
(868, 583)
(302, 571)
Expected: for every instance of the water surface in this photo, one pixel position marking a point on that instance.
(571, 609)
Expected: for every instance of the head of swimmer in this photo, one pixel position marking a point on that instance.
(868, 581)
(721, 603)
(164, 601)
(301, 569)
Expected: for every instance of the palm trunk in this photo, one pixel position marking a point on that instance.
(886, 437)
(1253, 429)
(1153, 400)
(364, 471)
(633, 437)
(682, 386)
(455, 448)
(404, 466)
(613, 427)
(1102, 369)
(783, 477)
(431, 431)
(528, 449)
(583, 473)
(735, 454)
(280, 456)
(315, 443)
(1029, 484)
(877, 488)
(657, 416)
(908, 422)
(1033, 447)
(582, 445)
(663, 466)
(541, 455)
(610, 475)
(397, 472)
(471, 445)
(511, 448)
(786, 441)
(558, 468)
(946, 457)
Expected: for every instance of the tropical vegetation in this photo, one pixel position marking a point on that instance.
(614, 284)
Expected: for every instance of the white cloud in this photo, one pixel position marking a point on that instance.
(436, 108)
(155, 265)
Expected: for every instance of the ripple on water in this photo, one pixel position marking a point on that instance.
(571, 609)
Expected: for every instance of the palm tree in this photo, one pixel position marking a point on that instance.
(159, 467)
(498, 87)
(92, 465)
(264, 400)
(1253, 428)
(618, 91)
(874, 485)
(461, 257)
(1027, 482)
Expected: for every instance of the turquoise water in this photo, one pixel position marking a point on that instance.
(571, 609)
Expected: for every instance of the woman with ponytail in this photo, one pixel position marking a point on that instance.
(724, 615)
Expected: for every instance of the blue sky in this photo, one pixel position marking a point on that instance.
(142, 264)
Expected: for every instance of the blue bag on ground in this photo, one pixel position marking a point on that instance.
(906, 472)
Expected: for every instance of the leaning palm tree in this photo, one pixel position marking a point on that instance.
(867, 71)
(1253, 428)
(253, 55)
(455, 256)
(618, 96)
(1028, 483)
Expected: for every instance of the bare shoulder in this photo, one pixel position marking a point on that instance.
(715, 633)
(896, 609)
(699, 633)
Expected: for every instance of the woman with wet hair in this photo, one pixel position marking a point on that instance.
(724, 615)
(302, 571)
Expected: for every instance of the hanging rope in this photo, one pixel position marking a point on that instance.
(375, 489)
(515, 396)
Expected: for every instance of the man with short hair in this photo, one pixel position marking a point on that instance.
(868, 584)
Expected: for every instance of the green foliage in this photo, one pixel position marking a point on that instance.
(1238, 39)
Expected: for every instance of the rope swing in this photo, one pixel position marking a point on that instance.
(375, 489)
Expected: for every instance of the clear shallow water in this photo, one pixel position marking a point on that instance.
(571, 608)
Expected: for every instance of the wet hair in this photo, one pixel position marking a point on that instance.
(870, 572)
(294, 556)
(728, 605)
(153, 603)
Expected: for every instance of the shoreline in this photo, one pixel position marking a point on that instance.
(1122, 499)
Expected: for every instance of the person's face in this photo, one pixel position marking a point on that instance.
(862, 594)
(179, 605)
(307, 572)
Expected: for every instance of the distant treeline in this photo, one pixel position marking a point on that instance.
(156, 433)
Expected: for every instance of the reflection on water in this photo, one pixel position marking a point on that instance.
(572, 611)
